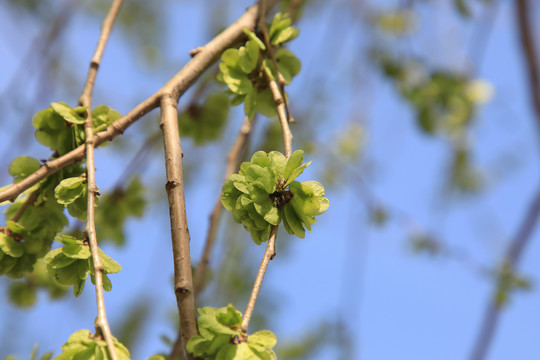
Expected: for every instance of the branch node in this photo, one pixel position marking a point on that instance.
(195, 51)
(182, 290)
(171, 184)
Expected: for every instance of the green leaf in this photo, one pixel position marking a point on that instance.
(230, 57)
(107, 285)
(244, 352)
(193, 345)
(260, 236)
(287, 34)
(9, 246)
(72, 273)
(210, 323)
(161, 356)
(262, 177)
(278, 161)
(279, 24)
(69, 190)
(260, 158)
(254, 38)
(230, 316)
(51, 255)
(295, 160)
(250, 104)
(22, 294)
(288, 64)
(237, 99)
(16, 228)
(293, 221)
(205, 122)
(324, 203)
(109, 265)
(78, 208)
(76, 251)
(236, 80)
(103, 116)
(227, 352)
(52, 131)
(78, 287)
(241, 186)
(7, 263)
(229, 195)
(314, 187)
(248, 56)
(263, 338)
(294, 166)
(68, 239)
(69, 114)
(22, 166)
(60, 261)
(296, 172)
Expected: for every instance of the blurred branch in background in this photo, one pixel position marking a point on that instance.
(525, 231)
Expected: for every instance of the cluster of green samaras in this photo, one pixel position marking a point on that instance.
(61, 127)
(71, 264)
(445, 102)
(264, 193)
(84, 345)
(221, 337)
(248, 70)
(205, 122)
(37, 216)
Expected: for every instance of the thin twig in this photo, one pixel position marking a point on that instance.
(232, 166)
(270, 50)
(270, 249)
(102, 324)
(50, 167)
(106, 29)
(28, 202)
(528, 43)
(268, 255)
(511, 260)
(177, 85)
(287, 144)
(282, 115)
(523, 236)
(183, 282)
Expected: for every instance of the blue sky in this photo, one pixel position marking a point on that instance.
(394, 302)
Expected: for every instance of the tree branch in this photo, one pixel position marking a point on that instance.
(287, 144)
(101, 324)
(528, 44)
(28, 202)
(106, 28)
(511, 260)
(176, 86)
(268, 255)
(183, 282)
(232, 166)
(270, 49)
(519, 243)
(282, 115)
(271, 247)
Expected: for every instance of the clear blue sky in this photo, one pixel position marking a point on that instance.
(396, 303)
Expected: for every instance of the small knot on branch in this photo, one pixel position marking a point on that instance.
(279, 101)
(195, 51)
(182, 290)
(171, 184)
